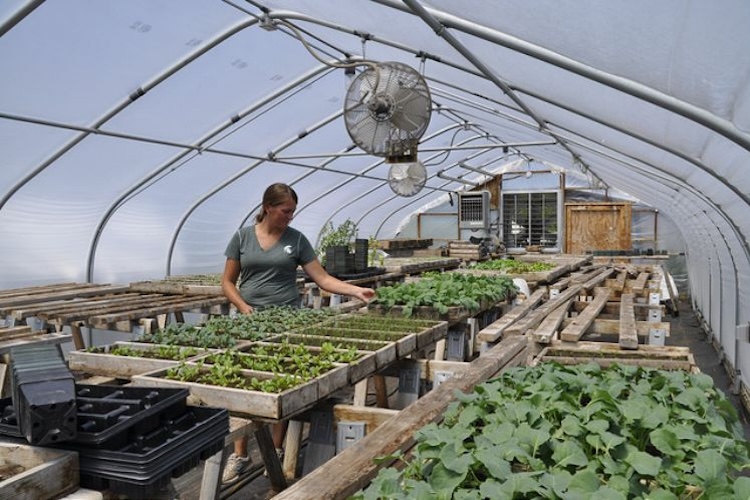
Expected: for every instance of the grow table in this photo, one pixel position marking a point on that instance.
(103, 306)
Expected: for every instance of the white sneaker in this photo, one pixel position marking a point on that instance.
(234, 467)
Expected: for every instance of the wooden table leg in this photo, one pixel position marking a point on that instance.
(360, 393)
(291, 448)
(270, 458)
(212, 471)
(75, 330)
(381, 392)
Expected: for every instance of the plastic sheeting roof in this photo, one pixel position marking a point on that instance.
(137, 135)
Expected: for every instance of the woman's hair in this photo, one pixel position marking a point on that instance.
(275, 194)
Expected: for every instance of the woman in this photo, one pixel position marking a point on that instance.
(265, 258)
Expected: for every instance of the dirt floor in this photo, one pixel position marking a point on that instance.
(685, 331)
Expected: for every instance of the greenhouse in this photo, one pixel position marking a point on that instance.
(374, 249)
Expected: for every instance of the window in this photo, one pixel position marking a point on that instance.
(530, 219)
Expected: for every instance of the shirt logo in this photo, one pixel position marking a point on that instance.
(288, 249)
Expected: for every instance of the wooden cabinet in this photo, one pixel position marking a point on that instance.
(597, 226)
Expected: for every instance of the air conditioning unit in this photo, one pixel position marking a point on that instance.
(474, 210)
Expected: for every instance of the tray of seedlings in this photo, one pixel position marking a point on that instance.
(125, 359)
(274, 381)
(448, 297)
(540, 272)
(383, 351)
(426, 331)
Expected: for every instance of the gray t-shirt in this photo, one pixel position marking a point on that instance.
(269, 277)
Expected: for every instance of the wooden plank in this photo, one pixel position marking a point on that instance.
(613, 349)
(47, 310)
(628, 332)
(598, 279)
(534, 319)
(576, 328)
(492, 332)
(15, 332)
(39, 289)
(661, 364)
(548, 328)
(129, 303)
(372, 417)
(612, 327)
(640, 283)
(186, 305)
(64, 294)
(354, 468)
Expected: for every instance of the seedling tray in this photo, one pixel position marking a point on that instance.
(111, 365)
(426, 331)
(384, 352)
(105, 411)
(146, 463)
(275, 406)
(358, 369)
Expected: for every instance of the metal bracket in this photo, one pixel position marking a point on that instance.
(440, 376)
(348, 433)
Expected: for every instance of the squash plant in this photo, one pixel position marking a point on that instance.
(579, 431)
(444, 290)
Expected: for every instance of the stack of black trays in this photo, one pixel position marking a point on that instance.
(43, 394)
(133, 440)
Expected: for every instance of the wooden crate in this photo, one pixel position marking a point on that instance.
(606, 353)
(32, 473)
(111, 365)
(274, 406)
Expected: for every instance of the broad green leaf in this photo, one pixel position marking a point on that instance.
(499, 433)
(569, 453)
(584, 481)
(710, 465)
(692, 398)
(495, 490)
(571, 426)
(523, 482)
(531, 439)
(742, 488)
(655, 417)
(492, 461)
(644, 463)
(465, 494)
(619, 483)
(597, 426)
(661, 494)
(607, 493)
(445, 481)
(418, 490)
(456, 460)
(385, 485)
(556, 480)
(665, 441)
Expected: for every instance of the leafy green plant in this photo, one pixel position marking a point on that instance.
(580, 431)
(176, 353)
(341, 235)
(510, 266)
(444, 290)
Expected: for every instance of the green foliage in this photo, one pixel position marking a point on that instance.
(330, 236)
(224, 331)
(510, 266)
(287, 365)
(581, 431)
(171, 352)
(444, 290)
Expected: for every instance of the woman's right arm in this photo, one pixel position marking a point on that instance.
(229, 286)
